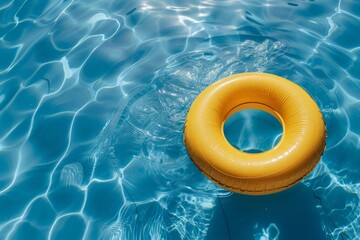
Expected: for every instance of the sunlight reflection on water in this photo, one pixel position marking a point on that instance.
(94, 95)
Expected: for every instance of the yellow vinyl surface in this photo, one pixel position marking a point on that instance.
(296, 154)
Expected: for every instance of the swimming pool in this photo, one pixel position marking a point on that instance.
(93, 98)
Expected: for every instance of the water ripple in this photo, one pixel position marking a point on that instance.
(94, 95)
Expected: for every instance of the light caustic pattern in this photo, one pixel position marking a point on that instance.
(94, 94)
(270, 233)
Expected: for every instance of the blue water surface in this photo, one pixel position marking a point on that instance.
(93, 99)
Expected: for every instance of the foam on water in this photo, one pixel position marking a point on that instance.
(94, 95)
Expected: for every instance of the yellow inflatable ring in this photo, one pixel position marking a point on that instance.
(296, 154)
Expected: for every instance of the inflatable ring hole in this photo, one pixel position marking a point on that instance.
(252, 130)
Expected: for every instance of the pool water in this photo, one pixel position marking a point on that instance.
(93, 99)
